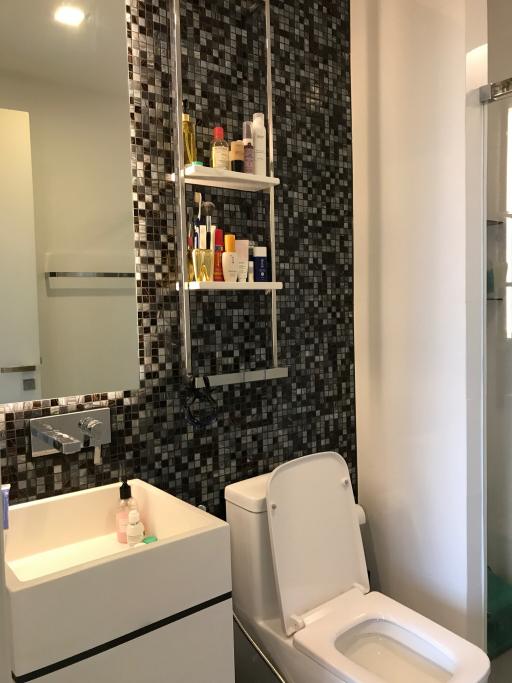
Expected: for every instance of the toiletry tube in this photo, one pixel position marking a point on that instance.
(242, 249)
(230, 259)
(208, 254)
(218, 275)
(213, 230)
(250, 277)
(260, 264)
(5, 490)
(202, 237)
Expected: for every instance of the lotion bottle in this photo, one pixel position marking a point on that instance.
(230, 259)
(135, 528)
(259, 138)
(242, 250)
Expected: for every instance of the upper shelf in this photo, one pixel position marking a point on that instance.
(231, 286)
(228, 180)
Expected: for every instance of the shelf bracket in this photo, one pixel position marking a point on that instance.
(181, 200)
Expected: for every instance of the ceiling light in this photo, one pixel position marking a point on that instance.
(69, 15)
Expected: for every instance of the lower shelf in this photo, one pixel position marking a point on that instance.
(242, 376)
(231, 286)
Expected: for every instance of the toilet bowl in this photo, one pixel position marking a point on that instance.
(300, 587)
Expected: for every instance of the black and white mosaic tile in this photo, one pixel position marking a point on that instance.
(258, 425)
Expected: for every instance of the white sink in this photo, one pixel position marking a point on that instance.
(73, 587)
(62, 534)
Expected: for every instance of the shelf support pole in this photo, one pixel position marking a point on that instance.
(181, 200)
(272, 208)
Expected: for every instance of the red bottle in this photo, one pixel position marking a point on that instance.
(218, 275)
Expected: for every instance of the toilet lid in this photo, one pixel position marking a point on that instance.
(317, 548)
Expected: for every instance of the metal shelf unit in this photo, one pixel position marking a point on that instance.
(200, 175)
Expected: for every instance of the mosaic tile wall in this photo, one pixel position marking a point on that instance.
(258, 425)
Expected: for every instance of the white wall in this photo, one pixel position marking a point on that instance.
(409, 118)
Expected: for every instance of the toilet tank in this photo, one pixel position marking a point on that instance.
(254, 592)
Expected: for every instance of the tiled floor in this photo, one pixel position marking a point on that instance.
(250, 668)
(502, 669)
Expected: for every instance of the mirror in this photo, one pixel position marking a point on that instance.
(67, 263)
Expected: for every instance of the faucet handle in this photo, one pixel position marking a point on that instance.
(91, 427)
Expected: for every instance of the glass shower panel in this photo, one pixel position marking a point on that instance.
(499, 376)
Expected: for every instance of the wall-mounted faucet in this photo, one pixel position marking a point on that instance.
(70, 433)
(57, 440)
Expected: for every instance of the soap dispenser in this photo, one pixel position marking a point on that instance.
(126, 505)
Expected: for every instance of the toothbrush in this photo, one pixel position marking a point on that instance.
(198, 199)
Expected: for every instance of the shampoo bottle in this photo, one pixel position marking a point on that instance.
(230, 260)
(259, 137)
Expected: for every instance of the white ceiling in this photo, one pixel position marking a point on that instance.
(91, 56)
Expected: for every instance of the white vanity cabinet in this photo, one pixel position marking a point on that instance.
(86, 609)
(196, 649)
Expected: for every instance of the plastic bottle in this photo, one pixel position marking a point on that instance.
(135, 528)
(259, 140)
(189, 136)
(248, 148)
(218, 275)
(220, 150)
(230, 260)
(260, 264)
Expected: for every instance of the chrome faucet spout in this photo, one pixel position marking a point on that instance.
(56, 439)
(69, 433)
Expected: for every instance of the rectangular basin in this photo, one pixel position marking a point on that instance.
(72, 586)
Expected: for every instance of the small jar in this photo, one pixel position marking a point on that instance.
(236, 156)
(260, 264)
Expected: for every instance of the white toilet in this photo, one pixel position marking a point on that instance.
(300, 587)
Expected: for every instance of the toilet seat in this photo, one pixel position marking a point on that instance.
(460, 660)
(323, 591)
